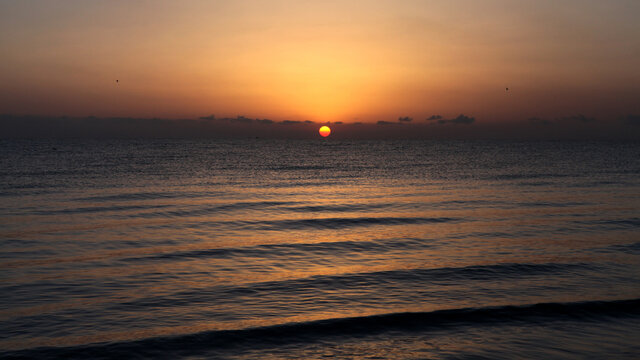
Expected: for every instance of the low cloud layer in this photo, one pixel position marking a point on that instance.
(203, 127)
(577, 126)
(460, 119)
(571, 119)
(382, 122)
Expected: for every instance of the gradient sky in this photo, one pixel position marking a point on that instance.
(323, 61)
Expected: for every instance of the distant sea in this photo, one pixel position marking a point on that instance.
(282, 249)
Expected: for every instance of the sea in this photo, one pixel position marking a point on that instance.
(316, 249)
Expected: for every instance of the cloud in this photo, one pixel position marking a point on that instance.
(290, 122)
(462, 119)
(405, 119)
(238, 119)
(12, 126)
(241, 119)
(459, 120)
(459, 127)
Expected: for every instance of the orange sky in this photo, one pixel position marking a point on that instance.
(321, 60)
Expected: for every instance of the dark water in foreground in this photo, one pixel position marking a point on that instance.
(315, 249)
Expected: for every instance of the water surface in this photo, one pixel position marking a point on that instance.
(309, 249)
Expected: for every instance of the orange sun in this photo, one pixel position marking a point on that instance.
(325, 131)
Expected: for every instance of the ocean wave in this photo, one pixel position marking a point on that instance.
(611, 224)
(207, 210)
(314, 331)
(336, 223)
(128, 210)
(300, 167)
(341, 207)
(632, 248)
(95, 209)
(527, 176)
(146, 195)
(376, 281)
(313, 224)
(300, 183)
(303, 249)
(537, 204)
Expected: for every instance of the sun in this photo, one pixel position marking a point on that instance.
(325, 131)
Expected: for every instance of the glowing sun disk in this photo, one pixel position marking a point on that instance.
(324, 131)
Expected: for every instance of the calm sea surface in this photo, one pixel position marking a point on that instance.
(312, 249)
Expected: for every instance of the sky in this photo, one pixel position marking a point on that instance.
(328, 61)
